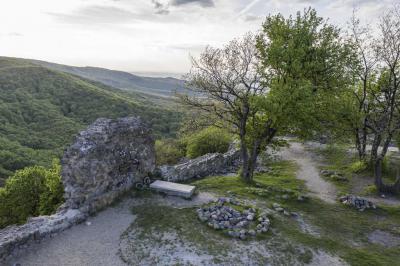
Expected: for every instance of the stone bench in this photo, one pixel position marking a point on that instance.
(173, 189)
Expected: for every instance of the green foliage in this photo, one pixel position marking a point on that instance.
(41, 110)
(208, 140)
(53, 192)
(168, 151)
(369, 191)
(358, 166)
(304, 62)
(30, 192)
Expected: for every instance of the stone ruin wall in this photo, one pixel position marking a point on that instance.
(105, 161)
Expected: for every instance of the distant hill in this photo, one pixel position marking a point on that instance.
(42, 109)
(163, 87)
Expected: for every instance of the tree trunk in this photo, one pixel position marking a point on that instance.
(382, 187)
(246, 175)
(378, 160)
(361, 142)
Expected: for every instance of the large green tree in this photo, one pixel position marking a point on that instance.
(272, 83)
(306, 63)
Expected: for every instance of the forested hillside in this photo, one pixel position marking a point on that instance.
(164, 87)
(42, 109)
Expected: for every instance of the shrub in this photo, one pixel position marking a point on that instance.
(358, 166)
(29, 192)
(369, 191)
(53, 193)
(208, 140)
(168, 151)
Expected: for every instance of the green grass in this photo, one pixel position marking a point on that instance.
(280, 181)
(337, 158)
(343, 230)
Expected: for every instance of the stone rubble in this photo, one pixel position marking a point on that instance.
(237, 224)
(357, 202)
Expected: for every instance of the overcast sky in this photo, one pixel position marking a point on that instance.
(145, 35)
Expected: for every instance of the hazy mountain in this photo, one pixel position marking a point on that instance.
(164, 87)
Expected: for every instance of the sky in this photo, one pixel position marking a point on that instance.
(147, 35)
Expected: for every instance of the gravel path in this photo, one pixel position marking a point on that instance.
(309, 172)
(84, 244)
(96, 242)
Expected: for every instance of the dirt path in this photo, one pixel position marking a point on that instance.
(309, 172)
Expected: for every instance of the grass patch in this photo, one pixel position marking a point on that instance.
(279, 181)
(344, 232)
(341, 230)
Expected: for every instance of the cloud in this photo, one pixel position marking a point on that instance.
(203, 3)
(96, 15)
(248, 7)
(15, 34)
(161, 8)
(252, 18)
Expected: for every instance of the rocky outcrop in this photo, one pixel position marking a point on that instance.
(106, 160)
(209, 164)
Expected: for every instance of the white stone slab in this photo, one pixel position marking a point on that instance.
(174, 189)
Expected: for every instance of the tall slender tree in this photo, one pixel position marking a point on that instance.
(226, 81)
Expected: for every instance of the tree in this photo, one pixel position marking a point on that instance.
(274, 82)
(384, 120)
(307, 65)
(362, 41)
(225, 81)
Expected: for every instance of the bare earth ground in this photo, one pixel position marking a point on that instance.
(309, 172)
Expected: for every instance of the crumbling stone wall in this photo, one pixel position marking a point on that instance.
(206, 165)
(105, 160)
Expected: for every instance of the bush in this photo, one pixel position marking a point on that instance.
(208, 140)
(358, 166)
(53, 193)
(369, 191)
(168, 151)
(29, 192)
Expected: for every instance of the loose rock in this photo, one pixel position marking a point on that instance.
(357, 202)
